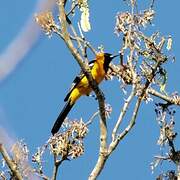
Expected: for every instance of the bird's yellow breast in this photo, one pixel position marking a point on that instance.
(83, 87)
(98, 72)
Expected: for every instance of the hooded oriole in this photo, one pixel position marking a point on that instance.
(80, 86)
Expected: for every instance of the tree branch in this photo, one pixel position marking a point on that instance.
(116, 141)
(41, 175)
(123, 112)
(57, 163)
(92, 118)
(101, 101)
(171, 100)
(12, 166)
(132, 121)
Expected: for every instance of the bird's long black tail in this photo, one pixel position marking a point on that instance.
(61, 117)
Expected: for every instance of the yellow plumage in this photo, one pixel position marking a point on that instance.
(81, 86)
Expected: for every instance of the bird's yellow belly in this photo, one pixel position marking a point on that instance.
(98, 73)
(83, 88)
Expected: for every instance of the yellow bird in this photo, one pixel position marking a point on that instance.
(80, 86)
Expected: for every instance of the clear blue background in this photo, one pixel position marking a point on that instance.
(31, 98)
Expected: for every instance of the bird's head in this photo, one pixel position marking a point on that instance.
(107, 57)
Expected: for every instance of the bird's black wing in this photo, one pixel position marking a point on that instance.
(76, 80)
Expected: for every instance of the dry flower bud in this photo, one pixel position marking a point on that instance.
(77, 150)
(148, 15)
(46, 21)
(125, 74)
(79, 128)
(122, 21)
(69, 143)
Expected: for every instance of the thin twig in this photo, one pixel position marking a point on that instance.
(123, 112)
(132, 121)
(152, 4)
(114, 143)
(41, 174)
(88, 44)
(12, 166)
(72, 9)
(84, 43)
(162, 157)
(92, 118)
(76, 37)
(168, 99)
(57, 164)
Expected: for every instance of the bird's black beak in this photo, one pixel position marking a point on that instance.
(114, 55)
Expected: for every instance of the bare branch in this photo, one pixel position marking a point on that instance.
(132, 122)
(123, 112)
(9, 162)
(72, 9)
(171, 100)
(41, 175)
(76, 37)
(114, 143)
(88, 44)
(162, 157)
(98, 167)
(92, 118)
(152, 4)
(57, 163)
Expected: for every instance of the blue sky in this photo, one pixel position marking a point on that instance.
(32, 96)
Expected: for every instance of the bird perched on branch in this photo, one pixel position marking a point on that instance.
(80, 86)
